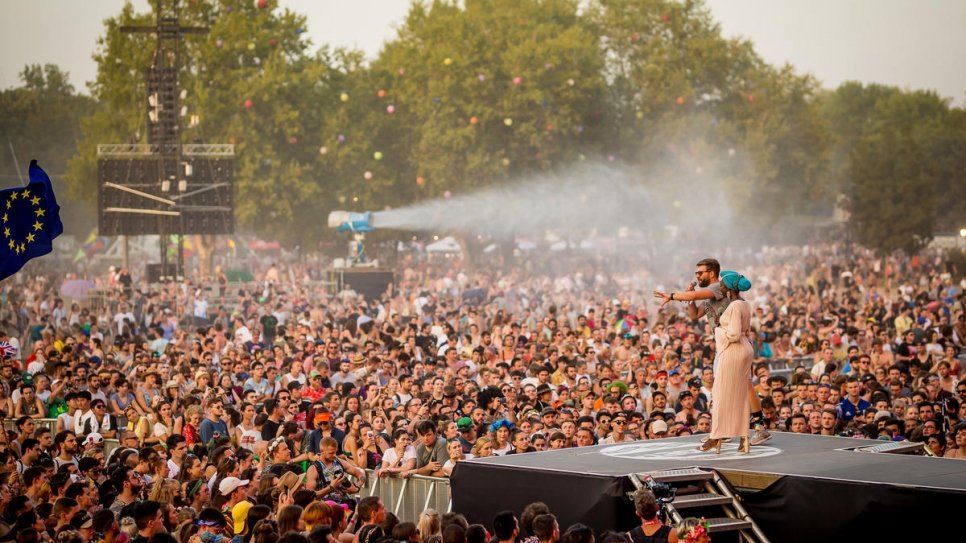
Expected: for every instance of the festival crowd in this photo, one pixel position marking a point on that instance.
(202, 411)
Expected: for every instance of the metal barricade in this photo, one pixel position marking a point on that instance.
(408, 497)
(50, 424)
(110, 445)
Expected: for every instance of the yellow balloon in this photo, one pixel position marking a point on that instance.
(344, 97)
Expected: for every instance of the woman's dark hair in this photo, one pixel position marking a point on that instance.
(265, 531)
(405, 531)
(578, 533)
(320, 534)
(389, 522)
(255, 514)
(288, 518)
(476, 533)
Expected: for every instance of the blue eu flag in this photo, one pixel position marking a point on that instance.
(31, 221)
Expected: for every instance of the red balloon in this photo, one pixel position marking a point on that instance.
(262, 4)
(248, 103)
(680, 101)
(751, 98)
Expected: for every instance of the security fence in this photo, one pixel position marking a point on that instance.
(410, 496)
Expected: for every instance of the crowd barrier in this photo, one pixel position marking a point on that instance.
(408, 497)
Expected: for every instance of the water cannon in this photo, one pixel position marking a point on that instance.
(350, 221)
(359, 224)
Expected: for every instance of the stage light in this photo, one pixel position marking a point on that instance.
(165, 186)
(182, 185)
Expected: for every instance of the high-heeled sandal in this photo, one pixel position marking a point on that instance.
(711, 444)
(744, 447)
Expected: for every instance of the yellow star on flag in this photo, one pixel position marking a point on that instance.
(30, 237)
(6, 232)
(23, 247)
(38, 225)
(35, 200)
(16, 248)
(13, 195)
(9, 203)
(11, 244)
(5, 218)
(39, 212)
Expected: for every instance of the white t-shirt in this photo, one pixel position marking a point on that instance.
(391, 458)
(120, 318)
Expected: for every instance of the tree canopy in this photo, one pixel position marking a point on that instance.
(473, 93)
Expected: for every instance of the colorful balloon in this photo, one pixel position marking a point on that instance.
(248, 103)
(508, 121)
(447, 61)
(293, 140)
(219, 43)
(481, 78)
(323, 150)
(679, 101)
(549, 127)
(505, 161)
(367, 174)
(390, 109)
(262, 4)
(447, 195)
(751, 98)
(402, 71)
(344, 97)
(251, 46)
(381, 93)
(377, 155)
(341, 138)
(639, 114)
(517, 81)
(571, 82)
(420, 181)
(474, 120)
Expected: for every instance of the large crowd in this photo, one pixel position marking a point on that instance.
(259, 410)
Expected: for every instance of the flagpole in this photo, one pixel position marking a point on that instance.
(16, 162)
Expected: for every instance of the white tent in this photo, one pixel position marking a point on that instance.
(445, 245)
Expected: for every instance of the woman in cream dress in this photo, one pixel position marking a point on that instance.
(729, 410)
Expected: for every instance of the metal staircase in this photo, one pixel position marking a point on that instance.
(701, 492)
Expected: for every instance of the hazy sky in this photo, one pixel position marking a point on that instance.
(910, 43)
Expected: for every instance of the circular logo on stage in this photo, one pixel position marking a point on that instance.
(664, 449)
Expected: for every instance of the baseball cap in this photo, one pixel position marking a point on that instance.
(93, 438)
(659, 427)
(81, 520)
(230, 484)
(239, 514)
(464, 424)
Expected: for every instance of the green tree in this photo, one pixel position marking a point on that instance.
(482, 90)
(679, 92)
(41, 120)
(894, 196)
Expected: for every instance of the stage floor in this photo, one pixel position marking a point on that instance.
(797, 488)
(786, 454)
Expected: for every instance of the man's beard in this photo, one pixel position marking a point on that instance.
(703, 283)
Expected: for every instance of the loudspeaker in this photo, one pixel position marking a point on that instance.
(158, 272)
